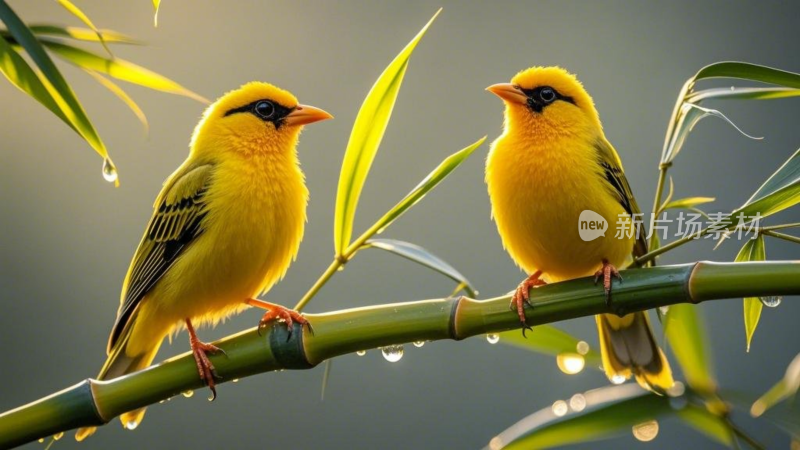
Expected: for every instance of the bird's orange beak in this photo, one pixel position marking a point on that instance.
(508, 92)
(304, 114)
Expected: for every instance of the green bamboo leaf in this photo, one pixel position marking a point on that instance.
(75, 11)
(119, 69)
(84, 34)
(780, 191)
(550, 340)
(59, 88)
(609, 411)
(424, 257)
(701, 212)
(668, 150)
(742, 94)
(782, 390)
(748, 71)
(436, 176)
(670, 192)
(752, 250)
(156, 5)
(116, 90)
(365, 138)
(784, 415)
(687, 337)
(702, 420)
(688, 203)
(666, 200)
(20, 74)
(689, 115)
(680, 125)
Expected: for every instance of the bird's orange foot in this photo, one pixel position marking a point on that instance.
(522, 296)
(607, 272)
(200, 352)
(275, 312)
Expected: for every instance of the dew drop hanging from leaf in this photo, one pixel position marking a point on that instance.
(392, 353)
(771, 301)
(110, 171)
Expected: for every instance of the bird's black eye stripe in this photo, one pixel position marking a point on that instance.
(542, 96)
(262, 110)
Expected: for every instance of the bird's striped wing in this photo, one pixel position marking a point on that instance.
(612, 167)
(176, 222)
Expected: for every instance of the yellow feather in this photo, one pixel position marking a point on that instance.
(547, 167)
(239, 201)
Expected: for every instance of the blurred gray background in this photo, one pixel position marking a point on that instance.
(67, 235)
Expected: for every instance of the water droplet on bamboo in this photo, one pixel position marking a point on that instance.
(646, 431)
(582, 347)
(41, 440)
(392, 353)
(419, 343)
(560, 408)
(188, 394)
(361, 352)
(771, 301)
(577, 402)
(570, 363)
(340, 268)
(58, 436)
(733, 88)
(618, 379)
(493, 338)
(109, 171)
(131, 425)
(235, 380)
(676, 390)
(162, 402)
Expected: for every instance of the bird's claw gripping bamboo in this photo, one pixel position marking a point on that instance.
(607, 272)
(522, 296)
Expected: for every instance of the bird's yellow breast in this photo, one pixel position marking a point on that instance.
(538, 190)
(256, 212)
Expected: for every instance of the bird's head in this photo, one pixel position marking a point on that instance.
(547, 101)
(258, 118)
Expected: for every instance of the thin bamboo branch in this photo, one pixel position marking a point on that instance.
(672, 245)
(93, 402)
(329, 272)
(785, 237)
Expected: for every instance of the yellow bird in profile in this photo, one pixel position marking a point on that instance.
(552, 163)
(224, 229)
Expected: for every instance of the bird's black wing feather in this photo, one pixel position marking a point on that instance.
(177, 220)
(612, 168)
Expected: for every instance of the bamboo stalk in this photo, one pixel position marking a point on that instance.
(93, 402)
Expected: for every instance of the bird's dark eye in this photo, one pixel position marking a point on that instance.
(265, 109)
(547, 94)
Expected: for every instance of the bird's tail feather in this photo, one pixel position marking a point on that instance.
(120, 363)
(628, 347)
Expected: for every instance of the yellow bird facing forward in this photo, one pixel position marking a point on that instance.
(552, 163)
(225, 227)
